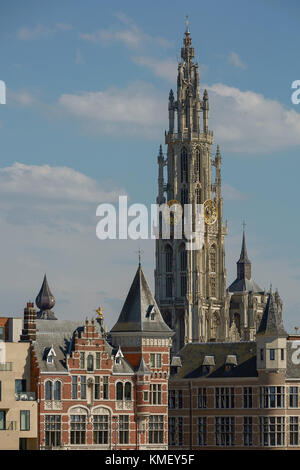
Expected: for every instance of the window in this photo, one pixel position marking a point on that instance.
(225, 431)
(155, 394)
(124, 429)
(184, 165)
(127, 391)
(48, 390)
(248, 431)
(97, 388)
(82, 360)
(247, 397)
(83, 387)
(22, 443)
(90, 363)
(2, 333)
(119, 391)
(213, 286)
(20, 385)
(2, 420)
(282, 354)
(202, 400)
(169, 259)
(100, 429)
(78, 429)
(184, 196)
(146, 396)
(57, 390)
(175, 431)
(183, 258)
(169, 290)
(198, 196)
(197, 166)
(294, 430)
(175, 399)
(156, 429)
(183, 285)
(272, 431)
(212, 259)
(158, 361)
(202, 431)
(74, 387)
(272, 397)
(272, 354)
(97, 360)
(261, 354)
(293, 402)
(224, 397)
(105, 388)
(155, 360)
(52, 430)
(24, 420)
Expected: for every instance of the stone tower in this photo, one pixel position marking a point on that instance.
(190, 286)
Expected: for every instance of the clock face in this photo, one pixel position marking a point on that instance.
(210, 212)
(175, 212)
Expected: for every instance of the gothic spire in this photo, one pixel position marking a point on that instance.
(244, 257)
(45, 301)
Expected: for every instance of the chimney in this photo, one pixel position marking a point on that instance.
(29, 330)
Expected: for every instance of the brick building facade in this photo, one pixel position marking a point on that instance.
(102, 391)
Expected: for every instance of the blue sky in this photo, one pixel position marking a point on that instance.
(87, 88)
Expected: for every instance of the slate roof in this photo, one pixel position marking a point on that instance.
(241, 285)
(135, 315)
(122, 367)
(193, 355)
(58, 334)
(271, 323)
(45, 301)
(143, 368)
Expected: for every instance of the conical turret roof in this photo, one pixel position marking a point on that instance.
(45, 301)
(140, 312)
(271, 323)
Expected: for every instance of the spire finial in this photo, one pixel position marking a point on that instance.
(139, 252)
(187, 24)
(244, 225)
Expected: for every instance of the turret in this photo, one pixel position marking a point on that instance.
(161, 163)
(45, 301)
(271, 338)
(205, 111)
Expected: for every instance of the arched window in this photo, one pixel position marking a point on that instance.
(128, 391)
(57, 390)
(213, 289)
(183, 258)
(184, 196)
(197, 165)
(48, 390)
(90, 362)
(169, 259)
(212, 258)
(184, 165)
(119, 391)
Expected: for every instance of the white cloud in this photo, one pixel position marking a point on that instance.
(166, 69)
(130, 35)
(79, 60)
(230, 193)
(135, 110)
(235, 60)
(21, 98)
(52, 183)
(39, 31)
(247, 122)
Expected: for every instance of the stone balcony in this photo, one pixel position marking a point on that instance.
(25, 396)
(193, 136)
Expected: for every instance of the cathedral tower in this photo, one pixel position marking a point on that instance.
(190, 285)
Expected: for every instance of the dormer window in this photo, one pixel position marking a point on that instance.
(50, 355)
(150, 312)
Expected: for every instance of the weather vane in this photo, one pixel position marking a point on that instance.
(139, 252)
(187, 22)
(99, 311)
